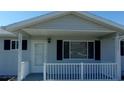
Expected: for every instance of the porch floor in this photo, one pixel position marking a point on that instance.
(34, 77)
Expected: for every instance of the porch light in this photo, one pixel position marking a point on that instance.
(49, 40)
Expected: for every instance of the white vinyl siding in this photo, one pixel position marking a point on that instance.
(69, 22)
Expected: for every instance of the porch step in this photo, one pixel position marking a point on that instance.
(34, 77)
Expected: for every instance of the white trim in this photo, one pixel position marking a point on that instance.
(80, 40)
(16, 45)
(70, 30)
(118, 56)
(19, 56)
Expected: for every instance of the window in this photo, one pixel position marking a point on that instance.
(78, 50)
(13, 44)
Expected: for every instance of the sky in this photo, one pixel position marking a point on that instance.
(9, 17)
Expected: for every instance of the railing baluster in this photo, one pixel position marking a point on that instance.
(112, 72)
(107, 76)
(87, 72)
(109, 71)
(92, 71)
(55, 72)
(53, 68)
(97, 71)
(69, 72)
(60, 72)
(103, 72)
(106, 72)
(80, 71)
(65, 71)
(100, 67)
(50, 71)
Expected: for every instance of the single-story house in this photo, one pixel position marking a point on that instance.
(71, 45)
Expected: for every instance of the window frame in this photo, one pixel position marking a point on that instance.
(87, 49)
(16, 44)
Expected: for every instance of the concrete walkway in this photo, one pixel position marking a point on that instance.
(34, 77)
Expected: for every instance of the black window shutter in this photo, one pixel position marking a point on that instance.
(90, 50)
(24, 44)
(59, 49)
(66, 49)
(122, 48)
(97, 50)
(6, 44)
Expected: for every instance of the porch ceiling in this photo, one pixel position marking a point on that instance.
(66, 32)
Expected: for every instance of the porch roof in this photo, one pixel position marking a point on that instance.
(4, 33)
(67, 32)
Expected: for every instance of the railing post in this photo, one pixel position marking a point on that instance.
(44, 72)
(82, 72)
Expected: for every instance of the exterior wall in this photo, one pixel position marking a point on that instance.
(52, 50)
(106, 45)
(9, 58)
(69, 22)
(108, 49)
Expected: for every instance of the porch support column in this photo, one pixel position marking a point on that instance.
(118, 56)
(44, 71)
(19, 55)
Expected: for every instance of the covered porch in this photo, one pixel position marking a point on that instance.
(67, 71)
(108, 67)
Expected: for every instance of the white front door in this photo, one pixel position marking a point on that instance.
(39, 57)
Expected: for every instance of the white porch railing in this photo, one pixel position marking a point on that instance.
(24, 69)
(80, 71)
